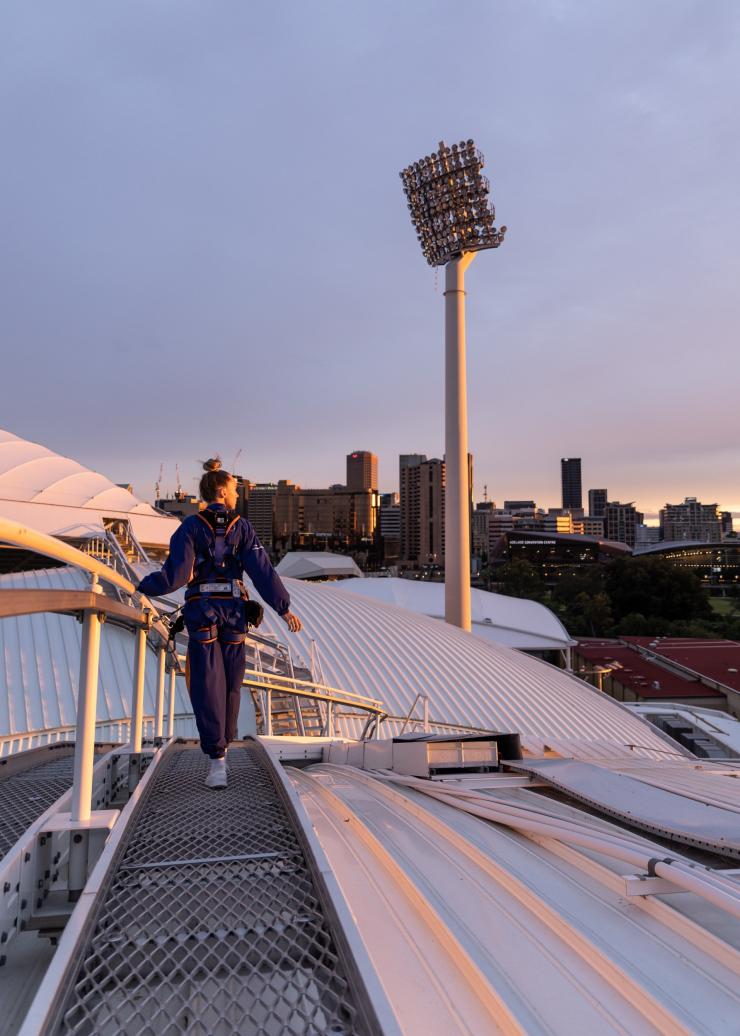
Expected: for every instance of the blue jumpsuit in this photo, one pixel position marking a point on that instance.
(216, 622)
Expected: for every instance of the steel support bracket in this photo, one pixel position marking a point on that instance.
(644, 885)
(100, 820)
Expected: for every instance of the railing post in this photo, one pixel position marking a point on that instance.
(171, 712)
(87, 696)
(425, 701)
(137, 707)
(159, 706)
(330, 719)
(137, 701)
(268, 713)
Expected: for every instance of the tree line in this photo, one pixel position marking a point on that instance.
(628, 596)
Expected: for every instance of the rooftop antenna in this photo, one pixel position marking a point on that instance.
(158, 483)
(447, 197)
(485, 494)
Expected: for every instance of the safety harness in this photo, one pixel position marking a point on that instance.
(222, 562)
(224, 568)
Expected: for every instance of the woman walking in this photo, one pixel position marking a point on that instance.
(210, 552)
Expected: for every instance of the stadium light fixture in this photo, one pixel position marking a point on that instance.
(447, 197)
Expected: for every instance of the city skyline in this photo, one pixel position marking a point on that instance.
(170, 224)
(168, 489)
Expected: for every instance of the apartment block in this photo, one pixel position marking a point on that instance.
(691, 520)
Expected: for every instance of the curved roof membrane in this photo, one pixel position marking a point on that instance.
(40, 674)
(56, 495)
(512, 621)
(393, 654)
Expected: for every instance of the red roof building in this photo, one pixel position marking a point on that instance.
(638, 669)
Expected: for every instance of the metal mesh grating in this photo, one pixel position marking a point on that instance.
(211, 924)
(26, 795)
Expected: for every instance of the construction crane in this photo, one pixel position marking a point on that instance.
(237, 455)
(158, 483)
(177, 478)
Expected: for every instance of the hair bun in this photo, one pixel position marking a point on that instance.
(214, 464)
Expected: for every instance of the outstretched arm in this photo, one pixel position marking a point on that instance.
(269, 585)
(177, 568)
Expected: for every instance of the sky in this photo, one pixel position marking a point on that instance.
(204, 245)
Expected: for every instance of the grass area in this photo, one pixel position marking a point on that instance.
(721, 605)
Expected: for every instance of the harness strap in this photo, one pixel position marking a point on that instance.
(220, 553)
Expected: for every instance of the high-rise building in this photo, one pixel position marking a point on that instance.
(621, 521)
(597, 502)
(390, 526)
(481, 529)
(726, 523)
(422, 493)
(570, 475)
(691, 520)
(287, 520)
(261, 510)
(422, 501)
(362, 471)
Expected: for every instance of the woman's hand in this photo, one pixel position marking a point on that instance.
(294, 623)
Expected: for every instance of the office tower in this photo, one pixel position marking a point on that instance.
(597, 502)
(390, 526)
(422, 493)
(287, 516)
(726, 523)
(691, 520)
(570, 475)
(621, 521)
(362, 471)
(481, 531)
(261, 510)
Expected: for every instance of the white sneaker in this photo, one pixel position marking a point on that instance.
(216, 774)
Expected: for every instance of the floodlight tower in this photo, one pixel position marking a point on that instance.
(448, 199)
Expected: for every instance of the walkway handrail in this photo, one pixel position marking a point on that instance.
(335, 698)
(59, 735)
(361, 698)
(94, 606)
(15, 602)
(40, 543)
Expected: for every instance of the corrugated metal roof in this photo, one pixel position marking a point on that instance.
(364, 646)
(512, 621)
(538, 936)
(393, 654)
(39, 671)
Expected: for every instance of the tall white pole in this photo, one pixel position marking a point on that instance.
(457, 502)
